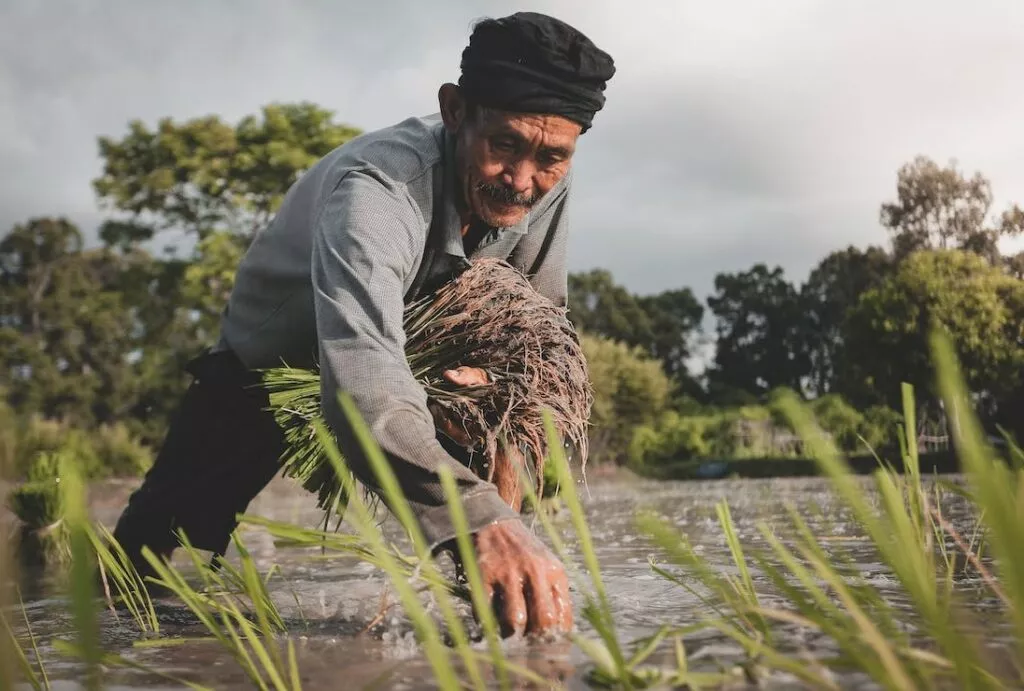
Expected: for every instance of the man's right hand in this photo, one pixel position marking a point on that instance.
(526, 583)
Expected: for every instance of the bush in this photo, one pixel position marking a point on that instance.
(108, 451)
(630, 390)
(757, 431)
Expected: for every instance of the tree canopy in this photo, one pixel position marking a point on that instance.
(99, 335)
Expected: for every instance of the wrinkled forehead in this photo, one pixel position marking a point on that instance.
(541, 129)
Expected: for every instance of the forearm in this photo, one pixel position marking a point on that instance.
(393, 408)
(363, 249)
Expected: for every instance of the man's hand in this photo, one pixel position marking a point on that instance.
(526, 584)
(466, 376)
(462, 376)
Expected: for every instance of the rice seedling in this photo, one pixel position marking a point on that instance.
(942, 645)
(489, 317)
(82, 579)
(41, 537)
(226, 604)
(116, 568)
(813, 589)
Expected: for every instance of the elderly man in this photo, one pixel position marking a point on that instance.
(380, 221)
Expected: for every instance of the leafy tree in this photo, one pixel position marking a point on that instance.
(833, 287)
(66, 332)
(204, 175)
(979, 305)
(664, 326)
(675, 317)
(208, 280)
(940, 208)
(760, 335)
(600, 306)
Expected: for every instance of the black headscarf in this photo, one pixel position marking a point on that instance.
(533, 63)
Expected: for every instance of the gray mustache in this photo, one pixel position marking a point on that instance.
(504, 195)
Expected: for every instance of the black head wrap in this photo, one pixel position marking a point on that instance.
(533, 63)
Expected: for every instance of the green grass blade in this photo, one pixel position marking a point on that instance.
(81, 577)
(359, 516)
(403, 512)
(477, 590)
(14, 650)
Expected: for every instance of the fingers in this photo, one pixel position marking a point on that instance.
(541, 613)
(527, 586)
(466, 376)
(510, 609)
(562, 603)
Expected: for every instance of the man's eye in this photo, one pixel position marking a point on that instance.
(551, 159)
(503, 144)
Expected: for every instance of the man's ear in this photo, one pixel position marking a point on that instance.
(453, 107)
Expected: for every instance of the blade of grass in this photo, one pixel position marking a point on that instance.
(32, 641)
(403, 512)
(359, 516)
(477, 590)
(992, 482)
(13, 650)
(82, 592)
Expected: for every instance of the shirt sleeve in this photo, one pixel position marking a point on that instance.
(364, 246)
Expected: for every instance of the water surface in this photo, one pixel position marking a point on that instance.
(333, 606)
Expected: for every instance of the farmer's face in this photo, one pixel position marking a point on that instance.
(508, 161)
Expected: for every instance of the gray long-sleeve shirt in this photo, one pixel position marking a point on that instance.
(370, 227)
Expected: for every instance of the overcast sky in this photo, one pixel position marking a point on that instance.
(735, 132)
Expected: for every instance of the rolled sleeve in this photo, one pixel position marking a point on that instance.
(364, 246)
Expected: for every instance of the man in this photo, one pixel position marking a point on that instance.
(382, 220)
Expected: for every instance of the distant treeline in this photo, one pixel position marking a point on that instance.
(93, 341)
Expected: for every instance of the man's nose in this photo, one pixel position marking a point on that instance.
(519, 176)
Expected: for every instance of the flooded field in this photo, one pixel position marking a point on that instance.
(348, 638)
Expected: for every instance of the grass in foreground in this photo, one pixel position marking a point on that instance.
(940, 643)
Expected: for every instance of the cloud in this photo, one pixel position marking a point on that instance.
(735, 132)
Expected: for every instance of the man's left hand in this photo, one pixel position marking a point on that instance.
(461, 376)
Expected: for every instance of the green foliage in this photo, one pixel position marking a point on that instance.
(761, 328)
(979, 306)
(940, 208)
(630, 389)
(106, 451)
(204, 175)
(757, 432)
(851, 429)
(664, 326)
(833, 287)
(209, 278)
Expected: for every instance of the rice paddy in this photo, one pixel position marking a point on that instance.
(958, 621)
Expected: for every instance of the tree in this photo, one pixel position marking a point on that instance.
(939, 208)
(600, 306)
(760, 335)
(663, 326)
(66, 332)
(675, 317)
(833, 287)
(204, 175)
(979, 305)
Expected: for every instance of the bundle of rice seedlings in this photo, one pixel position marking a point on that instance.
(489, 317)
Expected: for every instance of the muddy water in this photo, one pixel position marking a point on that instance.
(329, 603)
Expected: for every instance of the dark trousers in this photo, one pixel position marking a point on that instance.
(222, 448)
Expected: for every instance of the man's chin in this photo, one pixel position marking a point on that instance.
(503, 218)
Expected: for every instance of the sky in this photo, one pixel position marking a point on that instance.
(734, 132)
